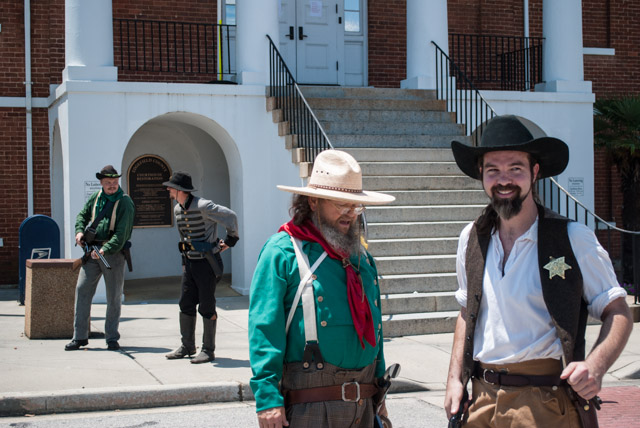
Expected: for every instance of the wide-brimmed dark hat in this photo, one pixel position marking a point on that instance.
(517, 134)
(180, 180)
(107, 172)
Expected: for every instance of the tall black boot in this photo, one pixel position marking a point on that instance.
(208, 342)
(188, 332)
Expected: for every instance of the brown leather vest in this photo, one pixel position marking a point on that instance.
(563, 297)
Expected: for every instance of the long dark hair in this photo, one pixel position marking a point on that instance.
(300, 209)
(489, 219)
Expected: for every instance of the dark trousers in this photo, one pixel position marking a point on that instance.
(199, 288)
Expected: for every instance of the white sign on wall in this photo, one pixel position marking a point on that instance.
(576, 186)
(91, 187)
(315, 8)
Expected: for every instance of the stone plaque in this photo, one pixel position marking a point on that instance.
(144, 180)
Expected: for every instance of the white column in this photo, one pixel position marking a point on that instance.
(254, 20)
(562, 69)
(89, 41)
(426, 22)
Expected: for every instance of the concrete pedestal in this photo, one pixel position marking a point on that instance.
(49, 298)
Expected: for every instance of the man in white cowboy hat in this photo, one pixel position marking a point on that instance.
(527, 279)
(197, 219)
(316, 364)
(106, 222)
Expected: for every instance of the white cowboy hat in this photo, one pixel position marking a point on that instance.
(336, 175)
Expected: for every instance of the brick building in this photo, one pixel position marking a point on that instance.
(84, 80)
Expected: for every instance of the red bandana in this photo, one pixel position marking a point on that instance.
(359, 305)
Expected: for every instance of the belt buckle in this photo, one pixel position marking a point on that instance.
(344, 397)
(484, 376)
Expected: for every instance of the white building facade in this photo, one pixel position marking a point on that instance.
(225, 137)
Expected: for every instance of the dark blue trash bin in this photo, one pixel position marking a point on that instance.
(39, 238)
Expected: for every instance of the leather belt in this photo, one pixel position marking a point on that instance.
(504, 379)
(348, 391)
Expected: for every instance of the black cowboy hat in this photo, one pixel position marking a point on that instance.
(107, 172)
(181, 181)
(513, 133)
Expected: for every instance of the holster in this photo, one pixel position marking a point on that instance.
(216, 264)
(126, 252)
(586, 409)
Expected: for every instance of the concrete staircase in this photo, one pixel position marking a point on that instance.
(401, 138)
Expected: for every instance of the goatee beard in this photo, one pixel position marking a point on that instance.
(507, 208)
(345, 243)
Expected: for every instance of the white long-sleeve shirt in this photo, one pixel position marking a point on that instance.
(514, 324)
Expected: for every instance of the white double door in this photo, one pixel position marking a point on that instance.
(312, 40)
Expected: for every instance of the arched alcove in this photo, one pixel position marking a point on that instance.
(185, 145)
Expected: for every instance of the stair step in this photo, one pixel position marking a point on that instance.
(438, 197)
(381, 230)
(375, 104)
(384, 115)
(418, 282)
(412, 246)
(380, 214)
(400, 154)
(416, 264)
(409, 168)
(400, 182)
(392, 128)
(417, 324)
(367, 93)
(393, 141)
(419, 302)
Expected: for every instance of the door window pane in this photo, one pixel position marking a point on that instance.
(230, 12)
(351, 4)
(352, 15)
(352, 21)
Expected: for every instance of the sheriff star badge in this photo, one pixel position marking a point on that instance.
(557, 267)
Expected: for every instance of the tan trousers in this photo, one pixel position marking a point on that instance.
(522, 407)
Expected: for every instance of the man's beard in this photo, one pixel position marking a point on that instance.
(345, 243)
(507, 208)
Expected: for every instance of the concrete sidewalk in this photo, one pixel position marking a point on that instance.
(39, 376)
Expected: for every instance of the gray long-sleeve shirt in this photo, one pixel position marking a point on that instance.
(198, 221)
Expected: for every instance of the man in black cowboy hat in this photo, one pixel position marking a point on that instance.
(108, 217)
(527, 279)
(197, 220)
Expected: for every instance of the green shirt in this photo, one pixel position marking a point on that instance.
(274, 285)
(124, 220)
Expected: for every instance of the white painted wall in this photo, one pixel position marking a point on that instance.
(112, 123)
(184, 148)
(564, 115)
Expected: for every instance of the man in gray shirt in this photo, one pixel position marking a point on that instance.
(197, 221)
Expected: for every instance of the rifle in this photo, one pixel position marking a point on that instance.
(456, 420)
(88, 247)
(384, 383)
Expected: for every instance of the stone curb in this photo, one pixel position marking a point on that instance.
(117, 398)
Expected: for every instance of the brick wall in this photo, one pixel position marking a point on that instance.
(47, 62)
(188, 11)
(387, 42)
(611, 24)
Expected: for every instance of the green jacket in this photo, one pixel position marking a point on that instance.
(124, 220)
(273, 288)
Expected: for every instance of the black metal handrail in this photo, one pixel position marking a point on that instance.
(552, 194)
(303, 124)
(473, 111)
(461, 96)
(512, 63)
(175, 47)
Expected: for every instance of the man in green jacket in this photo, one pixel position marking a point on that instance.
(317, 365)
(112, 232)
